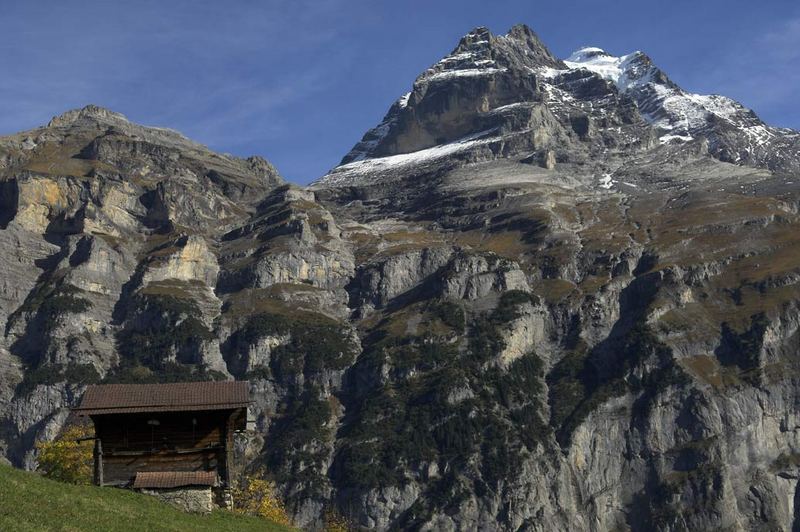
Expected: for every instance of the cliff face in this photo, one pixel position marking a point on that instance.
(541, 294)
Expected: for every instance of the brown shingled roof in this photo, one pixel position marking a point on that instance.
(178, 397)
(174, 479)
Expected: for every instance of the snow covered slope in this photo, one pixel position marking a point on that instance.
(680, 115)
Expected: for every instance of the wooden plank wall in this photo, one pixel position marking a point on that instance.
(131, 444)
(173, 430)
(120, 470)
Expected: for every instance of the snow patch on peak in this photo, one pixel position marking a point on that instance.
(461, 73)
(471, 58)
(606, 181)
(667, 139)
(455, 58)
(586, 53)
(619, 70)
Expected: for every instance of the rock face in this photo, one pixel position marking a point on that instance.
(540, 295)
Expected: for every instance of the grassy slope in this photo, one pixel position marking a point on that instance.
(29, 502)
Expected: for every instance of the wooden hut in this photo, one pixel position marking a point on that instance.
(166, 436)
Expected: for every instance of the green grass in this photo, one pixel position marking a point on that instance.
(30, 502)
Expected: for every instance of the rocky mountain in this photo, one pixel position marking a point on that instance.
(541, 294)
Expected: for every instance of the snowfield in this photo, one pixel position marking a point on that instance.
(361, 171)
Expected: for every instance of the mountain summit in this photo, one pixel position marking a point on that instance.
(508, 96)
(483, 72)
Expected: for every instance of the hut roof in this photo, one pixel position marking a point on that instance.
(177, 397)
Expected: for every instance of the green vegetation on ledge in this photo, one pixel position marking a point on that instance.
(162, 344)
(444, 405)
(54, 373)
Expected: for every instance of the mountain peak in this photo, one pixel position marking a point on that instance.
(476, 35)
(483, 71)
(532, 45)
(89, 112)
(517, 49)
(521, 31)
(497, 89)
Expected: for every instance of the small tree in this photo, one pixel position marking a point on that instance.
(257, 496)
(65, 458)
(336, 522)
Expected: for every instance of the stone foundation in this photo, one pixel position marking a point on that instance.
(224, 498)
(189, 499)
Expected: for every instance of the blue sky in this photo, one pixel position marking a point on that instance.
(300, 81)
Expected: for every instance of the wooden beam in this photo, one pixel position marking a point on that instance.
(98, 462)
(227, 453)
(164, 451)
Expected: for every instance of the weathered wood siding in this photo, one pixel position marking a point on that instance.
(120, 470)
(169, 441)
